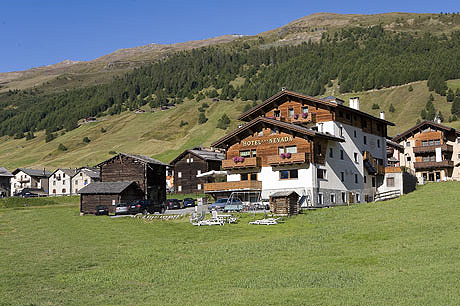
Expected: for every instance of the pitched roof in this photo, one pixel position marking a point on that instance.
(4, 172)
(69, 172)
(33, 172)
(284, 193)
(424, 124)
(391, 143)
(91, 172)
(141, 158)
(284, 126)
(260, 109)
(105, 187)
(203, 154)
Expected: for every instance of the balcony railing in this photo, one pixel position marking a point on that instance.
(295, 158)
(231, 186)
(433, 165)
(426, 149)
(250, 162)
(298, 118)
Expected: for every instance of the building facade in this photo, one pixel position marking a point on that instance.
(191, 163)
(84, 177)
(5, 182)
(323, 150)
(32, 179)
(431, 150)
(60, 182)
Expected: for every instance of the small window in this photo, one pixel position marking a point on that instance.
(341, 154)
(191, 160)
(408, 158)
(199, 186)
(245, 153)
(356, 178)
(179, 174)
(289, 174)
(331, 153)
(365, 139)
(341, 131)
(332, 198)
(390, 181)
(54, 191)
(54, 183)
(321, 173)
(291, 149)
(354, 134)
(340, 114)
(355, 157)
(85, 182)
(342, 176)
(63, 182)
(244, 177)
(458, 139)
(344, 197)
(347, 116)
(179, 188)
(358, 198)
(364, 122)
(277, 114)
(63, 190)
(305, 110)
(188, 160)
(254, 153)
(291, 112)
(81, 174)
(253, 176)
(458, 156)
(373, 181)
(63, 174)
(378, 143)
(280, 150)
(320, 199)
(365, 179)
(198, 172)
(76, 182)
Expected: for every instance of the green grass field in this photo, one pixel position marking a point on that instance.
(399, 252)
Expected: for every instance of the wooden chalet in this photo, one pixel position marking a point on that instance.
(108, 194)
(5, 182)
(191, 163)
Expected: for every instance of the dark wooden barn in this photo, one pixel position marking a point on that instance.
(284, 203)
(148, 173)
(108, 194)
(191, 163)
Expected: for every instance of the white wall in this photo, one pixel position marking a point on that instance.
(59, 181)
(80, 180)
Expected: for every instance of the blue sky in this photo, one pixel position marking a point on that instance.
(43, 32)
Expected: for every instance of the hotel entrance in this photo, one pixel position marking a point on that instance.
(432, 176)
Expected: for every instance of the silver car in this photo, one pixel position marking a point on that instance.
(121, 209)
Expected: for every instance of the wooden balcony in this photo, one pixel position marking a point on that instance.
(250, 162)
(380, 169)
(428, 165)
(233, 186)
(296, 158)
(429, 149)
(310, 118)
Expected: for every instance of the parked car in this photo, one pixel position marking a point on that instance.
(145, 207)
(121, 209)
(173, 204)
(101, 210)
(189, 202)
(234, 204)
(218, 205)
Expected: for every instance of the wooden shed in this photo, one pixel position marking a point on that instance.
(284, 203)
(108, 194)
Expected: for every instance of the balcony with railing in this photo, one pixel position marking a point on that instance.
(288, 159)
(297, 118)
(241, 163)
(232, 186)
(430, 149)
(428, 165)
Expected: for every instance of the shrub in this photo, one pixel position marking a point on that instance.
(410, 88)
(392, 108)
(202, 118)
(375, 106)
(62, 147)
(183, 123)
(112, 152)
(103, 130)
(50, 137)
(30, 135)
(86, 140)
(223, 122)
(19, 135)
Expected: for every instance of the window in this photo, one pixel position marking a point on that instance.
(179, 188)
(260, 133)
(254, 153)
(81, 174)
(188, 160)
(356, 178)
(54, 191)
(340, 114)
(244, 177)
(390, 181)
(253, 176)
(245, 153)
(54, 183)
(354, 134)
(355, 157)
(348, 116)
(273, 131)
(408, 158)
(277, 114)
(342, 176)
(365, 179)
(458, 139)
(364, 122)
(331, 153)
(305, 110)
(344, 197)
(191, 160)
(291, 112)
(63, 182)
(365, 139)
(332, 198)
(458, 155)
(85, 182)
(320, 198)
(341, 154)
(199, 186)
(198, 172)
(373, 181)
(321, 173)
(289, 174)
(291, 149)
(407, 144)
(63, 174)
(63, 190)
(76, 182)
(179, 174)
(358, 198)
(378, 143)
(341, 131)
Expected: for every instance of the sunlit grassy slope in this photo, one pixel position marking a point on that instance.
(399, 252)
(159, 134)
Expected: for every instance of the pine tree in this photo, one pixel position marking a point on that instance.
(450, 95)
(223, 122)
(392, 108)
(62, 147)
(202, 118)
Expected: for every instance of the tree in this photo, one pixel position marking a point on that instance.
(62, 147)
(212, 93)
(49, 137)
(19, 135)
(183, 123)
(410, 88)
(450, 95)
(455, 110)
(86, 140)
(247, 107)
(30, 135)
(202, 118)
(223, 122)
(375, 106)
(392, 108)
(423, 114)
(103, 130)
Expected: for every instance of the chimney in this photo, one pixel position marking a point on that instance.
(44, 171)
(437, 119)
(283, 88)
(382, 115)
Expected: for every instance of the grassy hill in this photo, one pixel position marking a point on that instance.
(399, 252)
(159, 134)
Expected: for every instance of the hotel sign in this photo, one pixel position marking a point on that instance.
(272, 140)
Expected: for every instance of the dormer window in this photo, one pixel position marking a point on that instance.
(291, 112)
(277, 114)
(305, 110)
